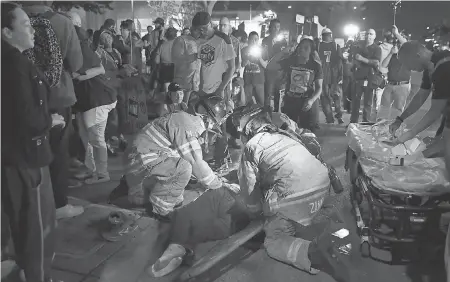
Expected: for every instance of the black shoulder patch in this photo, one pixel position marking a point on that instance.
(222, 35)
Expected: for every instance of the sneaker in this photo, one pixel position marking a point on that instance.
(340, 121)
(171, 259)
(69, 211)
(96, 179)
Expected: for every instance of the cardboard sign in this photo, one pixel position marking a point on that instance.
(299, 19)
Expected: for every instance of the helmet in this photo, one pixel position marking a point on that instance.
(239, 121)
(215, 108)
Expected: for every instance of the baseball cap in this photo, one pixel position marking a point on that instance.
(326, 30)
(173, 87)
(201, 18)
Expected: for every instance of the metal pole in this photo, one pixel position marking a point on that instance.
(131, 35)
(250, 11)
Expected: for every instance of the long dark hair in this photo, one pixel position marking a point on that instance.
(311, 43)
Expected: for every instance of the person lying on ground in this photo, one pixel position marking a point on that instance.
(270, 169)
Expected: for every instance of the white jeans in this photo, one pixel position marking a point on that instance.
(92, 126)
(393, 101)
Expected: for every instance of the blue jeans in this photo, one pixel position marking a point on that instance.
(367, 94)
(331, 93)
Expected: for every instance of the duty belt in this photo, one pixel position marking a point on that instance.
(398, 82)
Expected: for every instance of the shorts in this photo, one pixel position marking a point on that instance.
(166, 72)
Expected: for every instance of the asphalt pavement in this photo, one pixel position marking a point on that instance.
(130, 259)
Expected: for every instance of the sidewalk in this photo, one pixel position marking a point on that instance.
(83, 256)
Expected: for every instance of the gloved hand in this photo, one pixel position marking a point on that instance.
(395, 126)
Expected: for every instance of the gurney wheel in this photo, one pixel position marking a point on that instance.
(365, 249)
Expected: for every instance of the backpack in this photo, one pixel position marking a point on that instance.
(46, 54)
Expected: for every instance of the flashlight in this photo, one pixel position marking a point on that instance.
(279, 37)
(255, 51)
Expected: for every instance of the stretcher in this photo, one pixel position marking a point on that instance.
(397, 207)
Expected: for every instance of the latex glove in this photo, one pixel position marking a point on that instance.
(235, 188)
(394, 126)
(405, 137)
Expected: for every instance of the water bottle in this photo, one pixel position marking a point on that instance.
(335, 182)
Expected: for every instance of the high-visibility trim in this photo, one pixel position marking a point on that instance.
(301, 196)
(293, 250)
(158, 138)
(189, 147)
(160, 206)
(207, 180)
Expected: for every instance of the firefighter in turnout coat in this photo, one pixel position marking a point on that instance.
(281, 179)
(165, 153)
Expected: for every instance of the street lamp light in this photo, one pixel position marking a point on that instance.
(364, 19)
(289, 7)
(237, 18)
(354, 8)
(351, 30)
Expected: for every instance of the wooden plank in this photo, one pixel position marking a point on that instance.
(223, 249)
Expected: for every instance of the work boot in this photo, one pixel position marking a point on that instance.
(325, 257)
(119, 192)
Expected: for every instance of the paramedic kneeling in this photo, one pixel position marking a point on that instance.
(276, 181)
(167, 151)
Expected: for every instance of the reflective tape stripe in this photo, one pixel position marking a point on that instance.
(293, 250)
(158, 138)
(163, 207)
(207, 180)
(301, 197)
(189, 147)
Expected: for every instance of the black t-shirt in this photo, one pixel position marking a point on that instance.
(272, 46)
(301, 77)
(371, 52)
(397, 72)
(440, 81)
(254, 71)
